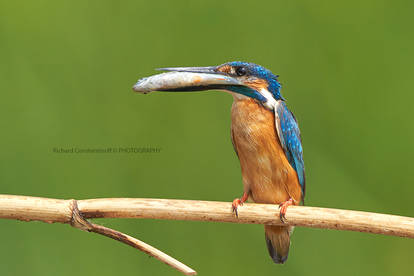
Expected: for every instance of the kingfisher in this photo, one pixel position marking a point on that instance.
(264, 133)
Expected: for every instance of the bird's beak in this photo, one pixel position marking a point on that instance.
(207, 69)
(186, 79)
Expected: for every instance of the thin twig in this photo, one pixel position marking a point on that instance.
(76, 212)
(78, 221)
(144, 247)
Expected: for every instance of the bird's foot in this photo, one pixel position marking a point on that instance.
(283, 208)
(238, 202)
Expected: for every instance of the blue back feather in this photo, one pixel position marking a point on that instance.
(291, 141)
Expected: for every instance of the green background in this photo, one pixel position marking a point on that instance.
(66, 71)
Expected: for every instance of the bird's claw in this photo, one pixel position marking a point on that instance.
(236, 203)
(239, 202)
(283, 208)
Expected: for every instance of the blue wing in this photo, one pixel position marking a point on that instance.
(289, 136)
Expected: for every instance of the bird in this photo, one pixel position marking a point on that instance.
(264, 133)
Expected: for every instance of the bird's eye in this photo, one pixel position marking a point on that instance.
(240, 71)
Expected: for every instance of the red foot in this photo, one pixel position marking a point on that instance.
(283, 208)
(239, 202)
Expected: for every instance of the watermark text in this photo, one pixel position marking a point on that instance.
(106, 150)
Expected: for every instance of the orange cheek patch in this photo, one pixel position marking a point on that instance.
(257, 84)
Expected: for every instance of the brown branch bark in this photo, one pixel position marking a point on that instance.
(48, 210)
(75, 212)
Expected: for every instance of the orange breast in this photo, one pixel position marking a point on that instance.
(267, 174)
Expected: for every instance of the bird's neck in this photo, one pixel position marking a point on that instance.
(249, 114)
(269, 103)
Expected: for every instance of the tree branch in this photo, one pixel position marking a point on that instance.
(75, 212)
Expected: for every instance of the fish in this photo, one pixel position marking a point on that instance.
(180, 81)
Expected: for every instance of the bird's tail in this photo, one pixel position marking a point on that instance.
(278, 242)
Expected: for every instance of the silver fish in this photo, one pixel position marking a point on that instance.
(179, 81)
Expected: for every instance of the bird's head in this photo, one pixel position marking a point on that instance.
(238, 77)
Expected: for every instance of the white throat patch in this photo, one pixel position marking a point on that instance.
(271, 102)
